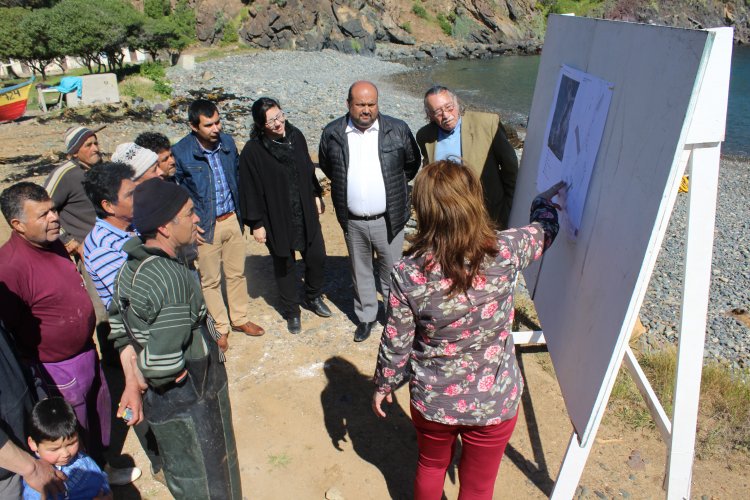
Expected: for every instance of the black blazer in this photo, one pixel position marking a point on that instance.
(264, 192)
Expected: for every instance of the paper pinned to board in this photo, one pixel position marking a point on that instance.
(573, 135)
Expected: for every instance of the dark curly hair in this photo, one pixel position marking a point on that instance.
(13, 198)
(154, 141)
(102, 183)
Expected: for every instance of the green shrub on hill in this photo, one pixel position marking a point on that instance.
(445, 24)
(464, 26)
(419, 10)
(577, 7)
(156, 9)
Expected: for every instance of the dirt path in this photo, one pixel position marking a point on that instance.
(301, 404)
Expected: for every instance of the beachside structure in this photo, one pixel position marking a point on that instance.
(17, 69)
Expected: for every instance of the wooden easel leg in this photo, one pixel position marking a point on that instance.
(704, 179)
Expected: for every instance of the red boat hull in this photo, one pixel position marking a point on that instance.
(13, 101)
(12, 111)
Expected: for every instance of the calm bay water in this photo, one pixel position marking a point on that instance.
(506, 84)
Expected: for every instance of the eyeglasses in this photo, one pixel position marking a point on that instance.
(448, 108)
(279, 118)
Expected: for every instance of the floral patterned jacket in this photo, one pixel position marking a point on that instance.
(458, 353)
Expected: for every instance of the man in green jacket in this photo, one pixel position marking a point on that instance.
(158, 319)
(477, 138)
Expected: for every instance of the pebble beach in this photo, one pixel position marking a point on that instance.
(312, 86)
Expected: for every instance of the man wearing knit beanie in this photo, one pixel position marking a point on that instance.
(77, 215)
(65, 187)
(144, 162)
(157, 298)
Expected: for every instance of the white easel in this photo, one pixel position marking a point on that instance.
(705, 125)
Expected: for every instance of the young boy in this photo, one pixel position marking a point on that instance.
(53, 437)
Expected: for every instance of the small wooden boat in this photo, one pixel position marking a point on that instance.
(13, 101)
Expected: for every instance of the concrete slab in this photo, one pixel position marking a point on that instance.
(97, 89)
(186, 62)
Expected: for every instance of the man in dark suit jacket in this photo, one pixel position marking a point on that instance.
(369, 158)
(16, 401)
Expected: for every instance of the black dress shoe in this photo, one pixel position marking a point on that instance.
(319, 307)
(363, 330)
(294, 325)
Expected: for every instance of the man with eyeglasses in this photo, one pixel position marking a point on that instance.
(477, 138)
(369, 158)
(208, 167)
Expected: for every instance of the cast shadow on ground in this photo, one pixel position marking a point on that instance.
(535, 470)
(25, 166)
(389, 444)
(337, 286)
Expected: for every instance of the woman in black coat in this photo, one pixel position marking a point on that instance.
(281, 201)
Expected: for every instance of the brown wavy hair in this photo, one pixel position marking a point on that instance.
(452, 223)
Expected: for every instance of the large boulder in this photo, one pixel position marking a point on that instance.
(349, 26)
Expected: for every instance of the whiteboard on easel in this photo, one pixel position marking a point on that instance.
(590, 288)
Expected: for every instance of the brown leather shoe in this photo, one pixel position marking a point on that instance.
(250, 329)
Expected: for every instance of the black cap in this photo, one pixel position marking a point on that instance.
(156, 202)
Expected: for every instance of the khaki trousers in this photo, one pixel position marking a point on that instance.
(228, 252)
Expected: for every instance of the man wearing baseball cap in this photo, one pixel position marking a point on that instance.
(173, 375)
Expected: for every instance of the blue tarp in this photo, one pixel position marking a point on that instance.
(69, 84)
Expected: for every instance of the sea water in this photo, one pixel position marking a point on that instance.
(506, 85)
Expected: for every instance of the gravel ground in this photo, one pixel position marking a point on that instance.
(727, 335)
(312, 89)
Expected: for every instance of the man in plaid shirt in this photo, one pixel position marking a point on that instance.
(207, 166)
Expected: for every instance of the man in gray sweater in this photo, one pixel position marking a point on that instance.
(65, 187)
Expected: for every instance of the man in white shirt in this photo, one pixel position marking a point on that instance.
(369, 158)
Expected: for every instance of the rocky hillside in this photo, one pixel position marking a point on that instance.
(444, 26)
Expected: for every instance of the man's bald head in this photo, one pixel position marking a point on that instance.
(358, 85)
(362, 102)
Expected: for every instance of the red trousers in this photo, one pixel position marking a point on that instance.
(482, 450)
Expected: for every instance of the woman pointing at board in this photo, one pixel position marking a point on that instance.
(448, 327)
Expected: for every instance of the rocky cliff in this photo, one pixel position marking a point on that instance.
(438, 28)
(357, 25)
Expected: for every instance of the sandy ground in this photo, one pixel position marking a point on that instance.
(301, 404)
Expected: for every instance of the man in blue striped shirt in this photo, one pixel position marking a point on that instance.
(110, 189)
